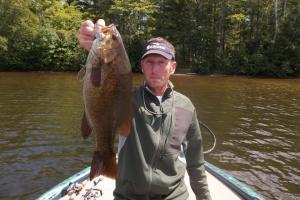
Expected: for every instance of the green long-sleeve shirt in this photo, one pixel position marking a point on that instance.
(150, 162)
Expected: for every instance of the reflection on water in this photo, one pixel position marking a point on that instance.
(38, 127)
(256, 122)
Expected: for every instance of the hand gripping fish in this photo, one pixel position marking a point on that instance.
(107, 90)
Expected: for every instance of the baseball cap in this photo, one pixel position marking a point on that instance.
(161, 48)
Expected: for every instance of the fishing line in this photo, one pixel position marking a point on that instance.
(200, 123)
(212, 134)
(156, 113)
(163, 149)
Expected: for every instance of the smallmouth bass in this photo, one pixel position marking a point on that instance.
(107, 90)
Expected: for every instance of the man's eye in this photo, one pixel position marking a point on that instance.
(149, 63)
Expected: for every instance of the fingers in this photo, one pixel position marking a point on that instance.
(100, 22)
(86, 34)
(87, 28)
(86, 44)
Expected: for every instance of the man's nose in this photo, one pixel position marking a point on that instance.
(155, 67)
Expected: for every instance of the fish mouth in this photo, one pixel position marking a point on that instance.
(111, 30)
(108, 28)
(103, 31)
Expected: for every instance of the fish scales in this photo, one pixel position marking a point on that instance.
(107, 86)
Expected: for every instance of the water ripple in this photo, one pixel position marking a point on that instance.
(256, 122)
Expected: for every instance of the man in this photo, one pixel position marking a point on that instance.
(165, 138)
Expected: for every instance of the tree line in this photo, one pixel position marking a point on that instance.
(248, 37)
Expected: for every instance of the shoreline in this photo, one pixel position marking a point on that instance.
(177, 73)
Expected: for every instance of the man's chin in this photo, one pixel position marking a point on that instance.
(155, 84)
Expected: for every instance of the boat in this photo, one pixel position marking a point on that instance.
(222, 186)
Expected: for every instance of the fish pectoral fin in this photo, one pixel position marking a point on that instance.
(103, 164)
(81, 73)
(125, 125)
(85, 127)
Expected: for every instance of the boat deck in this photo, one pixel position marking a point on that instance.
(102, 187)
(222, 186)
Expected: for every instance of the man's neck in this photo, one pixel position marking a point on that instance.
(158, 91)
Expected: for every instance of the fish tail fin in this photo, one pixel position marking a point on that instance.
(103, 165)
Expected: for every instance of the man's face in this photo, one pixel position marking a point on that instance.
(157, 70)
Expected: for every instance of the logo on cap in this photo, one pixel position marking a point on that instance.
(155, 46)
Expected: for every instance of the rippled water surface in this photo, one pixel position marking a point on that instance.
(256, 121)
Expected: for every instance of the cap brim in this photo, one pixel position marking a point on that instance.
(164, 54)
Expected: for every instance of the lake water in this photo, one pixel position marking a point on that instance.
(256, 122)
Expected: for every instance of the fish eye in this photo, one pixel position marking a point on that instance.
(113, 37)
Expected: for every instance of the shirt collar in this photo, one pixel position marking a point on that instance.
(167, 92)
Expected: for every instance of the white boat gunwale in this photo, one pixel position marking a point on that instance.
(240, 188)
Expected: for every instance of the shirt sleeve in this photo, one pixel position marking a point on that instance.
(195, 161)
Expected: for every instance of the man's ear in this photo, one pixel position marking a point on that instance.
(173, 67)
(141, 65)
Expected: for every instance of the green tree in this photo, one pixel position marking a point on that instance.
(252, 37)
(285, 53)
(93, 9)
(19, 27)
(56, 40)
(136, 23)
(3, 51)
(39, 35)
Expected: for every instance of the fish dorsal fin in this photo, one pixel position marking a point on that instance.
(81, 73)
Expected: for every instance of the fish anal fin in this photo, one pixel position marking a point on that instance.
(85, 127)
(103, 164)
(81, 73)
(125, 126)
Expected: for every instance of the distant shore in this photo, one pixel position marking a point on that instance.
(178, 72)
